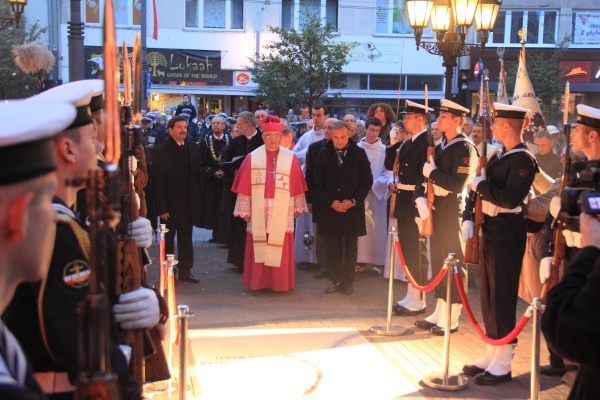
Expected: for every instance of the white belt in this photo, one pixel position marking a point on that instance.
(402, 186)
(54, 382)
(438, 191)
(492, 210)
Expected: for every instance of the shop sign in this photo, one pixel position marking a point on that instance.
(166, 64)
(243, 78)
(586, 28)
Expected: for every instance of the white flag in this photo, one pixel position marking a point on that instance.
(524, 96)
(501, 96)
(151, 20)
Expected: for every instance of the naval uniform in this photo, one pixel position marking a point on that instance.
(455, 165)
(50, 335)
(406, 159)
(509, 178)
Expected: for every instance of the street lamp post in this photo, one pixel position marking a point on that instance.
(17, 7)
(451, 20)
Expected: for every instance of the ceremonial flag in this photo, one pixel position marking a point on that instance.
(524, 96)
(151, 19)
(501, 96)
(483, 104)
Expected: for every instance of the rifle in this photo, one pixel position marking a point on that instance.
(472, 246)
(128, 256)
(96, 380)
(427, 229)
(559, 241)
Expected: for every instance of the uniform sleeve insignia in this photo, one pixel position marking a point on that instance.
(76, 274)
(522, 173)
(466, 160)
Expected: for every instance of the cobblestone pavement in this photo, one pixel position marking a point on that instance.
(220, 302)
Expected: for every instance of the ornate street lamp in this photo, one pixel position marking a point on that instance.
(451, 20)
(17, 7)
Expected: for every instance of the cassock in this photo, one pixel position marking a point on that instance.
(371, 248)
(259, 271)
(305, 221)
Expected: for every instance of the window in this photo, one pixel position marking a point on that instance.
(293, 12)
(541, 27)
(391, 18)
(214, 14)
(127, 12)
(391, 82)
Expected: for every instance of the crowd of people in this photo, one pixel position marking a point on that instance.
(262, 192)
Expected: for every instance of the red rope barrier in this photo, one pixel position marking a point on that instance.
(495, 342)
(436, 281)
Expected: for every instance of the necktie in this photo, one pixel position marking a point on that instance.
(12, 355)
(340, 156)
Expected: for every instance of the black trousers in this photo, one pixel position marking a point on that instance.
(408, 235)
(183, 228)
(342, 253)
(503, 247)
(445, 239)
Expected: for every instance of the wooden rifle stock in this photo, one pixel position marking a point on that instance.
(427, 229)
(96, 380)
(559, 241)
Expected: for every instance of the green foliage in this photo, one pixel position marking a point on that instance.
(544, 71)
(14, 83)
(298, 68)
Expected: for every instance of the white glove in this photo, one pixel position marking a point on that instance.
(141, 230)
(573, 239)
(126, 350)
(467, 228)
(428, 167)
(419, 223)
(133, 164)
(555, 206)
(421, 203)
(137, 309)
(545, 265)
(478, 179)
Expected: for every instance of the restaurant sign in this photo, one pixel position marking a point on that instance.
(165, 64)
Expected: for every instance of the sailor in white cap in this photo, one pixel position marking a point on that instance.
(503, 189)
(27, 184)
(406, 160)
(53, 352)
(450, 171)
(570, 322)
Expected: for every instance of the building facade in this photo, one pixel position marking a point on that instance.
(202, 47)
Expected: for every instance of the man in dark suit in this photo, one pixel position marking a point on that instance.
(342, 180)
(406, 160)
(311, 159)
(176, 174)
(250, 139)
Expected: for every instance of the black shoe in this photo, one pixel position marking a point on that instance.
(472, 370)
(439, 331)
(405, 312)
(347, 289)
(487, 379)
(334, 287)
(322, 275)
(424, 324)
(188, 277)
(550, 370)
(396, 306)
(212, 240)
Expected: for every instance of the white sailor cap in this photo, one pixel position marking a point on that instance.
(588, 116)
(97, 102)
(453, 108)
(502, 110)
(416, 108)
(26, 144)
(552, 129)
(78, 93)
